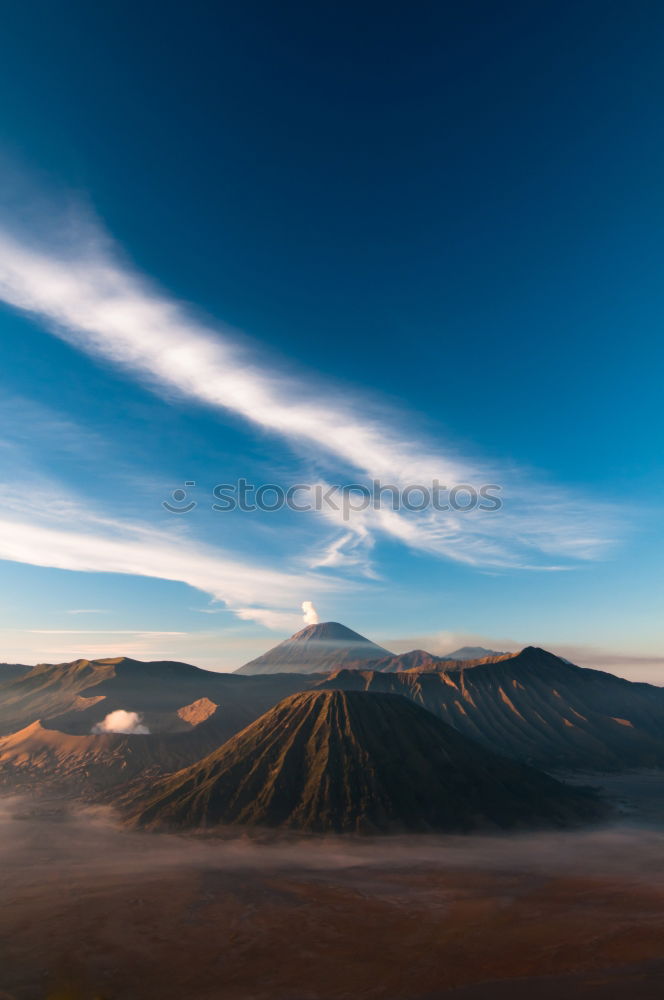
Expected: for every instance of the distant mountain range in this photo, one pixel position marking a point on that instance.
(319, 648)
(532, 707)
(350, 762)
(471, 653)
(76, 696)
(316, 649)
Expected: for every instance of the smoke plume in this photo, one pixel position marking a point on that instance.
(310, 615)
(122, 722)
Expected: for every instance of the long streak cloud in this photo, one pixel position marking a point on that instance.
(87, 296)
(252, 592)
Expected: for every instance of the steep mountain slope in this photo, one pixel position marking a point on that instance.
(8, 671)
(49, 689)
(48, 714)
(43, 759)
(332, 761)
(532, 706)
(76, 696)
(535, 707)
(316, 649)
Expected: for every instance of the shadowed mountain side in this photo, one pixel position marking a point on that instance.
(348, 762)
(532, 705)
(420, 660)
(43, 759)
(416, 659)
(50, 689)
(535, 707)
(8, 671)
(316, 649)
(76, 696)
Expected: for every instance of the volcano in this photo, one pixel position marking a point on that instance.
(352, 762)
(88, 766)
(471, 653)
(317, 649)
(533, 706)
(170, 696)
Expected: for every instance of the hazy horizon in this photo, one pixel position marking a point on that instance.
(211, 652)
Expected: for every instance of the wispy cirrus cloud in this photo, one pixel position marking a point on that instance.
(563, 531)
(87, 295)
(87, 611)
(99, 631)
(67, 534)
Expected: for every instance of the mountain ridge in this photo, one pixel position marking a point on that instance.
(531, 705)
(535, 707)
(471, 653)
(352, 762)
(41, 758)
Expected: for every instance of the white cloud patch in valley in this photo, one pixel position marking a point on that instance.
(121, 721)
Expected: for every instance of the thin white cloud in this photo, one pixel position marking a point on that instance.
(213, 649)
(87, 611)
(350, 550)
(94, 302)
(276, 621)
(97, 631)
(511, 539)
(41, 535)
(89, 298)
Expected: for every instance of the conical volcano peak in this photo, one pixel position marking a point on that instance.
(316, 649)
(328, 632)
(355, 762)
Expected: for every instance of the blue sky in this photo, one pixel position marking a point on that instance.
(322, 245)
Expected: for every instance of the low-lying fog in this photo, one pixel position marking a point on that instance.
(93, 912)
(36, 832)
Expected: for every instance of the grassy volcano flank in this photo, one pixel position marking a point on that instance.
(352, 762)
